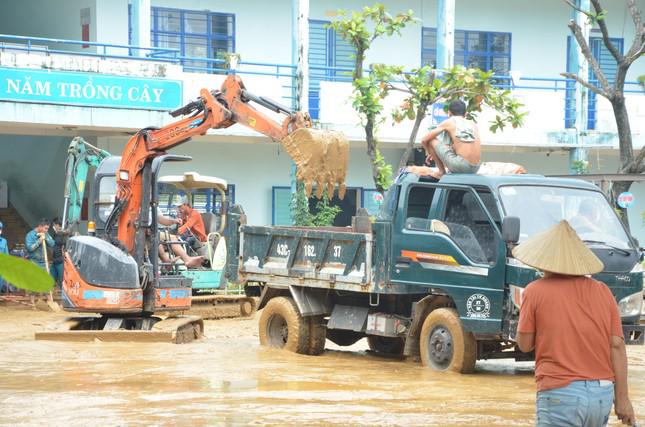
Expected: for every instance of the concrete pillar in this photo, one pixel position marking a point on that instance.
(446, 34)
(140, 26)
(300, 57)
(581, 67)
(300, 53)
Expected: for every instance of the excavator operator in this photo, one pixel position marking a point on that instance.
(177, 249)
(192, 230)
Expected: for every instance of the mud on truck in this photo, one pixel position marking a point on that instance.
(432, 276)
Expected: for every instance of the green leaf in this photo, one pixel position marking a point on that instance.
(24, 274)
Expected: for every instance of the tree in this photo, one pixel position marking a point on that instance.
(423, 86)
(361, 29)
(629, 163)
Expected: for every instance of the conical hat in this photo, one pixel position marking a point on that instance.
(558, 250)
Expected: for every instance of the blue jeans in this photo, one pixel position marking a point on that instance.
(581, 403)
(56, 271)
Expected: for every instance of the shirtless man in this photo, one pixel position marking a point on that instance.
(454, 144)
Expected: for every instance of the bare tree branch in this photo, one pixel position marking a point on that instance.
(638, 46)
(584, 46)
(584, 83)
(575, 7)
(605, 33)
(636, 16)
(636, 165)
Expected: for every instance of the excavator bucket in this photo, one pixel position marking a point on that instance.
(321, 159)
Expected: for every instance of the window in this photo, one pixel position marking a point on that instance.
(327, 53)
(204, 200)
(107, 194)
(473, 49)
(197, 34)
(469, 226)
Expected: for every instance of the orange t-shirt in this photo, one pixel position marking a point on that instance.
(573, 319)
(195, 223)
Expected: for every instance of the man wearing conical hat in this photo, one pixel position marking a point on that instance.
(573, 324)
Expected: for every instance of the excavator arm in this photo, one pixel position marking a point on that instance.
(81, 156)
(321, 157)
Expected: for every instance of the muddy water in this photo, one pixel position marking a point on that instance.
(227, 379)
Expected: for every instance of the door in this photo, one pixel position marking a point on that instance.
(445, 239)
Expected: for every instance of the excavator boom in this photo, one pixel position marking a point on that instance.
(321, 157)
(81, 156)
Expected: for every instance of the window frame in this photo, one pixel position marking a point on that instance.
(488, 53)
(208, 37)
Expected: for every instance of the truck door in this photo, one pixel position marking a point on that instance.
(445, 239)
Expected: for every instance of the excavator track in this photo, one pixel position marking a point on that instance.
(222, 306)
(175, 329)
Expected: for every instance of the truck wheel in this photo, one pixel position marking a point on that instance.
(387, 345)
(282, 326)
(343, 337)
(317, 335)
(445, 346)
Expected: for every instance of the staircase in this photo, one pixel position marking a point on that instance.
(15, 227)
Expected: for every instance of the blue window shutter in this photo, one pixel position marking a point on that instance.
(608, 65)
(326, 50)
(281, 206)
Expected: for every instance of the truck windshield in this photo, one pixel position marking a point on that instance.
(540, 207)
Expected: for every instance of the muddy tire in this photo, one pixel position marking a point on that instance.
(282, 326)
(248, 307)
(444, 345)
(386, 345)
(342, 337)
(317, 335)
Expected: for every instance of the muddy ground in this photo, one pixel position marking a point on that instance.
(228, 379)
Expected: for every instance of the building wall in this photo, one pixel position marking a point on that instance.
(34, 168)
(59, 19)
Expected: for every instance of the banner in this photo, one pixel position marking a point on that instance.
(89, 89)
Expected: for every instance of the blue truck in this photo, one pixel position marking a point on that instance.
(432, 276)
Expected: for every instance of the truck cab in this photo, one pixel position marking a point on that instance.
(470, 259)
(432, 275)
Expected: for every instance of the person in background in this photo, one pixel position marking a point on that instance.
(572, 322)
(4, 249)
(59, 245)
(34, 243)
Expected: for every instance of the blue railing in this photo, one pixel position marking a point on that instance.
(284, 72)
(103, 50)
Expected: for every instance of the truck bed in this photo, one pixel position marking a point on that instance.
(325, 257)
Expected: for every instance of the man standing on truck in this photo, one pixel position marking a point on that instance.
(573, 324)
(454, 144)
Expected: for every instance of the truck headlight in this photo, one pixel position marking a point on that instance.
(631, 306)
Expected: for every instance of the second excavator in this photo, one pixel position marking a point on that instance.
(117, 273)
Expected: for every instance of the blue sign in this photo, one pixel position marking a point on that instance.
(89, 89)
(438, 114)
(625, 199)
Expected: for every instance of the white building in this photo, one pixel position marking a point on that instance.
(53, 89)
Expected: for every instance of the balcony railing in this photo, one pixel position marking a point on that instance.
(286, 72)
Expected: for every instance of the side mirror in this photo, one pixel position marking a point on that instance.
(511, 229)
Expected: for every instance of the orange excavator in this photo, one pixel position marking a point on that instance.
(116, 274)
